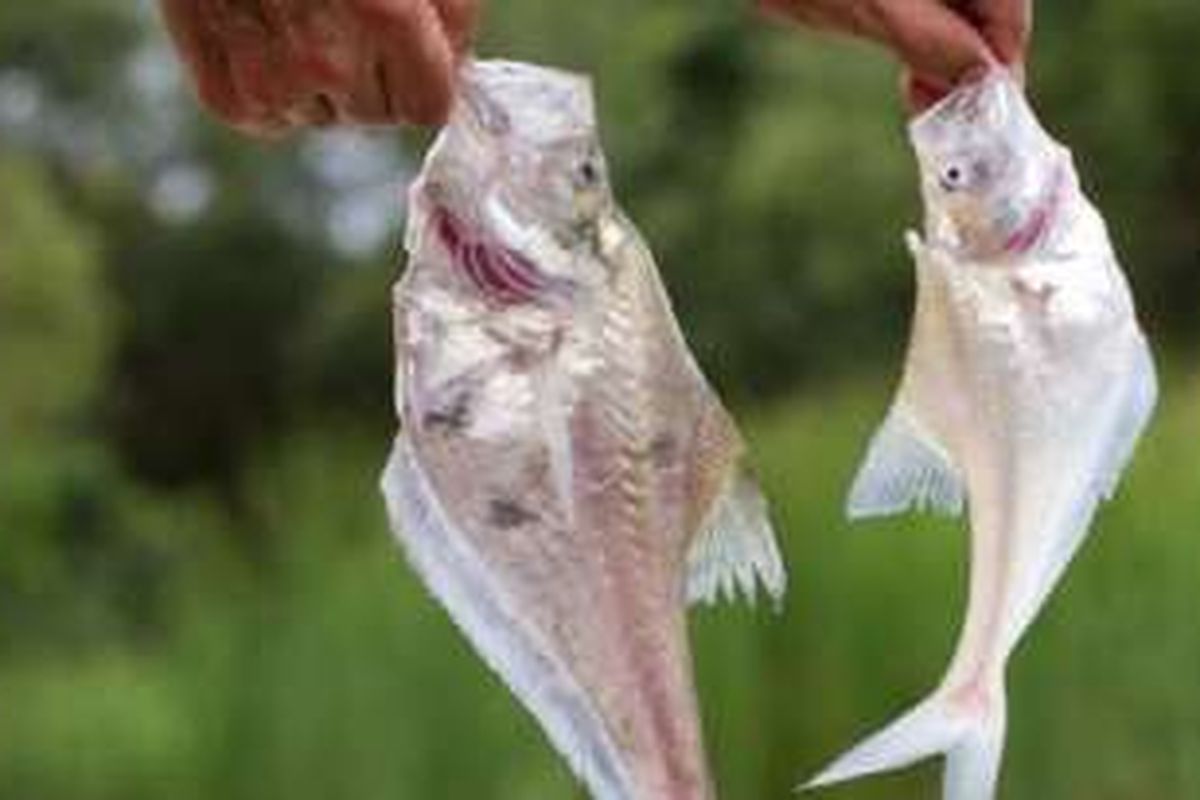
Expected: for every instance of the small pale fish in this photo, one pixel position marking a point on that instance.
(565, 480)
(1027, 384)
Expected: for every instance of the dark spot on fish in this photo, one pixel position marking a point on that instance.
(1037, 296)
(663, 450)
(453, 417)
(526, 356)
(506, 513)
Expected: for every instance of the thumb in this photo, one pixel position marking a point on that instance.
(1005, 25)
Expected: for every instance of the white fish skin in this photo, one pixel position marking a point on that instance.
(1027, 384)
(565, 480)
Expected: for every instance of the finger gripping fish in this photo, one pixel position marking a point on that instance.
(1027, 384)
(565, 479)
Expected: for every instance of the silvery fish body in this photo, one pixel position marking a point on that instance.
(565, 479)
(1027, 384)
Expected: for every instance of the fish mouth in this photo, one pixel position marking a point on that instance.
(983, 98)
(531, 103)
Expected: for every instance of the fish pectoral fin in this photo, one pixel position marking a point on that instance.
(905, 468)
(469, 589)
(736, 549)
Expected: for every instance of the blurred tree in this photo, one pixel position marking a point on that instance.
(72, 46)
(55, 339)
(55, 316)
(1129, 104)
(206, 358)
(216, 249)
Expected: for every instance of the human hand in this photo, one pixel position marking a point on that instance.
(938, 41)
(267, 66)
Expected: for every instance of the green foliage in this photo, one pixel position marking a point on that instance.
(1129, 103)
(55, 315)
(208, 352)
(55, 335)
(74, 45)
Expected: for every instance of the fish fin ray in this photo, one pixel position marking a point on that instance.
(971, 740)
(737, 549)
(455, 575)
(1136, 405)
(904, 468)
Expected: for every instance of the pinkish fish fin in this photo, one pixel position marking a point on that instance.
(736, 550)
(462, 581)
(905, 468)
(970, 735)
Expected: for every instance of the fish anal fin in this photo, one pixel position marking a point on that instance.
(905, 468)
(460, 579)
(1135, 402)
(1137, 406)
(736, 550)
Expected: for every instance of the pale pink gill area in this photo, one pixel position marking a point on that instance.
(502, 275)
(1024, 238)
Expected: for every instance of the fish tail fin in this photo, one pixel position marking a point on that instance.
(966, 725)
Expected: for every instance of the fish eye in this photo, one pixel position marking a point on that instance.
(589, 173)
(953, 178)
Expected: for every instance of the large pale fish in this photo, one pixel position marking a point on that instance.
(565, 480)
(1027, 384)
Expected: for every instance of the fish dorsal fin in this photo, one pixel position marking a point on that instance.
(736, 549)
(1137, 405)
(905, 468)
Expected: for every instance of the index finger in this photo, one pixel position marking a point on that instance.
(1005, 25)
(415, 56)
(458, 19)
(932, 39)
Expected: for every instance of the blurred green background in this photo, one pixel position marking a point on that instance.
(198, 594)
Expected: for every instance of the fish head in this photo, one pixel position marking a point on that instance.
(991, 177)
(521, 152)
